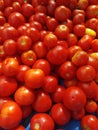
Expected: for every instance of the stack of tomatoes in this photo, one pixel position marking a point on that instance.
(48, 63)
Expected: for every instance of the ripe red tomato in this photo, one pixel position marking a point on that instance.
(86, 73)
(42, 121)
(72, 39)
(66, 13)
(57, 55)
(10, 66)
(20, 127)
(27, 111)
(8, 85)
(89, 122)
(43, 65)
(94, 45)
(9, 110)
(50, 84)
(76, 98)
(34, 78)
(42, 101)
(24, 93)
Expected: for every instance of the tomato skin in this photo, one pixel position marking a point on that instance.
(50, 84)
(66, 13)
(37, 121)
(79, 18)
(34, 78)
(36, 25)
(72, 39)
(10, 66)
(27, 111)
(89, 122)
(76, 98)
(20, 127)
(42, 64)
(94, 45)
(10, 47)
(67, 70)
(42, 101)
(86, 73)
(60, 114)
(24, 93)
(7, 86)
(57, 55)
(16, 6)
(6, 115)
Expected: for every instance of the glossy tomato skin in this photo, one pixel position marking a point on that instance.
(76, 98)
(42, 101)
(67, 70)
(86, 73)
(34, 78)
(60, 114)
(10, 66)
(19, 127)
(42, 64)
(6, 115)
(57, 55)
(50, 84)
(24, 93)
(38, 122)
(89, 122)
(7, 86)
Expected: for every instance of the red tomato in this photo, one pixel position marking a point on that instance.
(24, 93)
(16, 19)
(7, 86)
(28, 57)
(24, 43)
(20, 127)
(67, 70)
(9, 110)
(72, 39)
(10, 66)
(10, 47)
(86, 73)
(42, 121)
(60, 114)
(57, 55)
(79, 18)
(36, 25)
(50, 84)
(2, 20)
(41, 9)
(66, 13)
(94, 45)
(42, 101)
(89, 122)
(82, 4)
(72, 82)
(57, 96)
(16, 6)
(61, 31)
(34, 78)
(76, 98)
(43, 65)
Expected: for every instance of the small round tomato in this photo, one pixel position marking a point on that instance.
(79, 18)
(50, 84)
(9, 110)
(36, 25)
(89, 122)
(19, 127)
(41, 9)
(10, 66)
(82, 4)
(66, 13)
(16, 19)
(50, 40)
(67, 70)
(42, 64)
(91, 106)
(60, 114)
(24, 93)
(40, 49)
(16, 6)
(61, 31)
(63, 43)
(10, 47)
(42, 101)
(2, 20)
(72, 82)
(86, 73)
(28, 57)
(41, 121)
(72, 39)
(7, 11)
(7, 86)
(34, 78)
(21, 72)
(57, 55)
(94, 45)
(57, 96)
(76, 98)
(80, 58)
(89, 88)
(24, 43)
